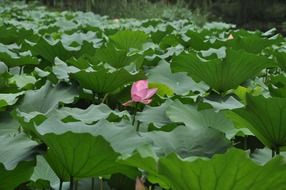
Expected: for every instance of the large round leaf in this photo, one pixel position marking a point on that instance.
(10, 179)
(47, 98)
(192, 117)
(180, 83)
(267, 117)
(201, 141)
(221, 75)
(122, 136)
(119, 57)
(8, 124)
(43, 171)
(129, 39)
(277, 86)
(281, 59)
(230, 171)
(9, 99)
(17, 148)
(103, 81)
(23, 81)
(49, 51)
(155, 115)
(61, 70)
(89, 115)
(250, 42)
(146, 159)
(12, 59)
(80, 155)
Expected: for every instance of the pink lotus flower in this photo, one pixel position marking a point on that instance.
(141, 93)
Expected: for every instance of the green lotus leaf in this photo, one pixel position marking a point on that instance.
(230, 171)
(43, 171)
(197, 40)
(125, 139)
(221, 75)
(250, 42)
(255, 90)
(9, 99)
(146, 159)
(78, 38)
(103, 81)
(264, 155)
(281, 59)
(47, 98)
(169, 53)
(38, 104)
(267, 117)
(239, 123)
(14, 149)
(65, 74)
(191, 116)
(156, 115)
(80, 155)
(23, 81)
(13, 59)
(48, 29)
(65, 24)
(41, 73)
(127, 39)
(3, 68)
(90, 115)
(81, 63)
(4, 82)
(119, 57)
(212, 53)
(8, 124)
(202, 141)
(49, 51)
(11, 179)
(169, 41)
(121, 135)
(277, 86)
(180, 83)
(13, 34)
(225, 103)
(217, 25)
(162, 89)
(62, 70)
(158, 35)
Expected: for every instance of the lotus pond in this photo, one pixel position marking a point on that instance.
(93, 103)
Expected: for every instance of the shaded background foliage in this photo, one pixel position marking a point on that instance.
(254, 14)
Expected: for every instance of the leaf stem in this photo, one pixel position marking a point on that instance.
(101, 183)
(104, 98)
(138, 125)
(92, 183)
(93, 101)
(278, 151)
(61, 185)
(76, 184)
(71, 182)
(245, 142)
(134, 114)
(266, 75)
(21, 70)
(273, 152)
